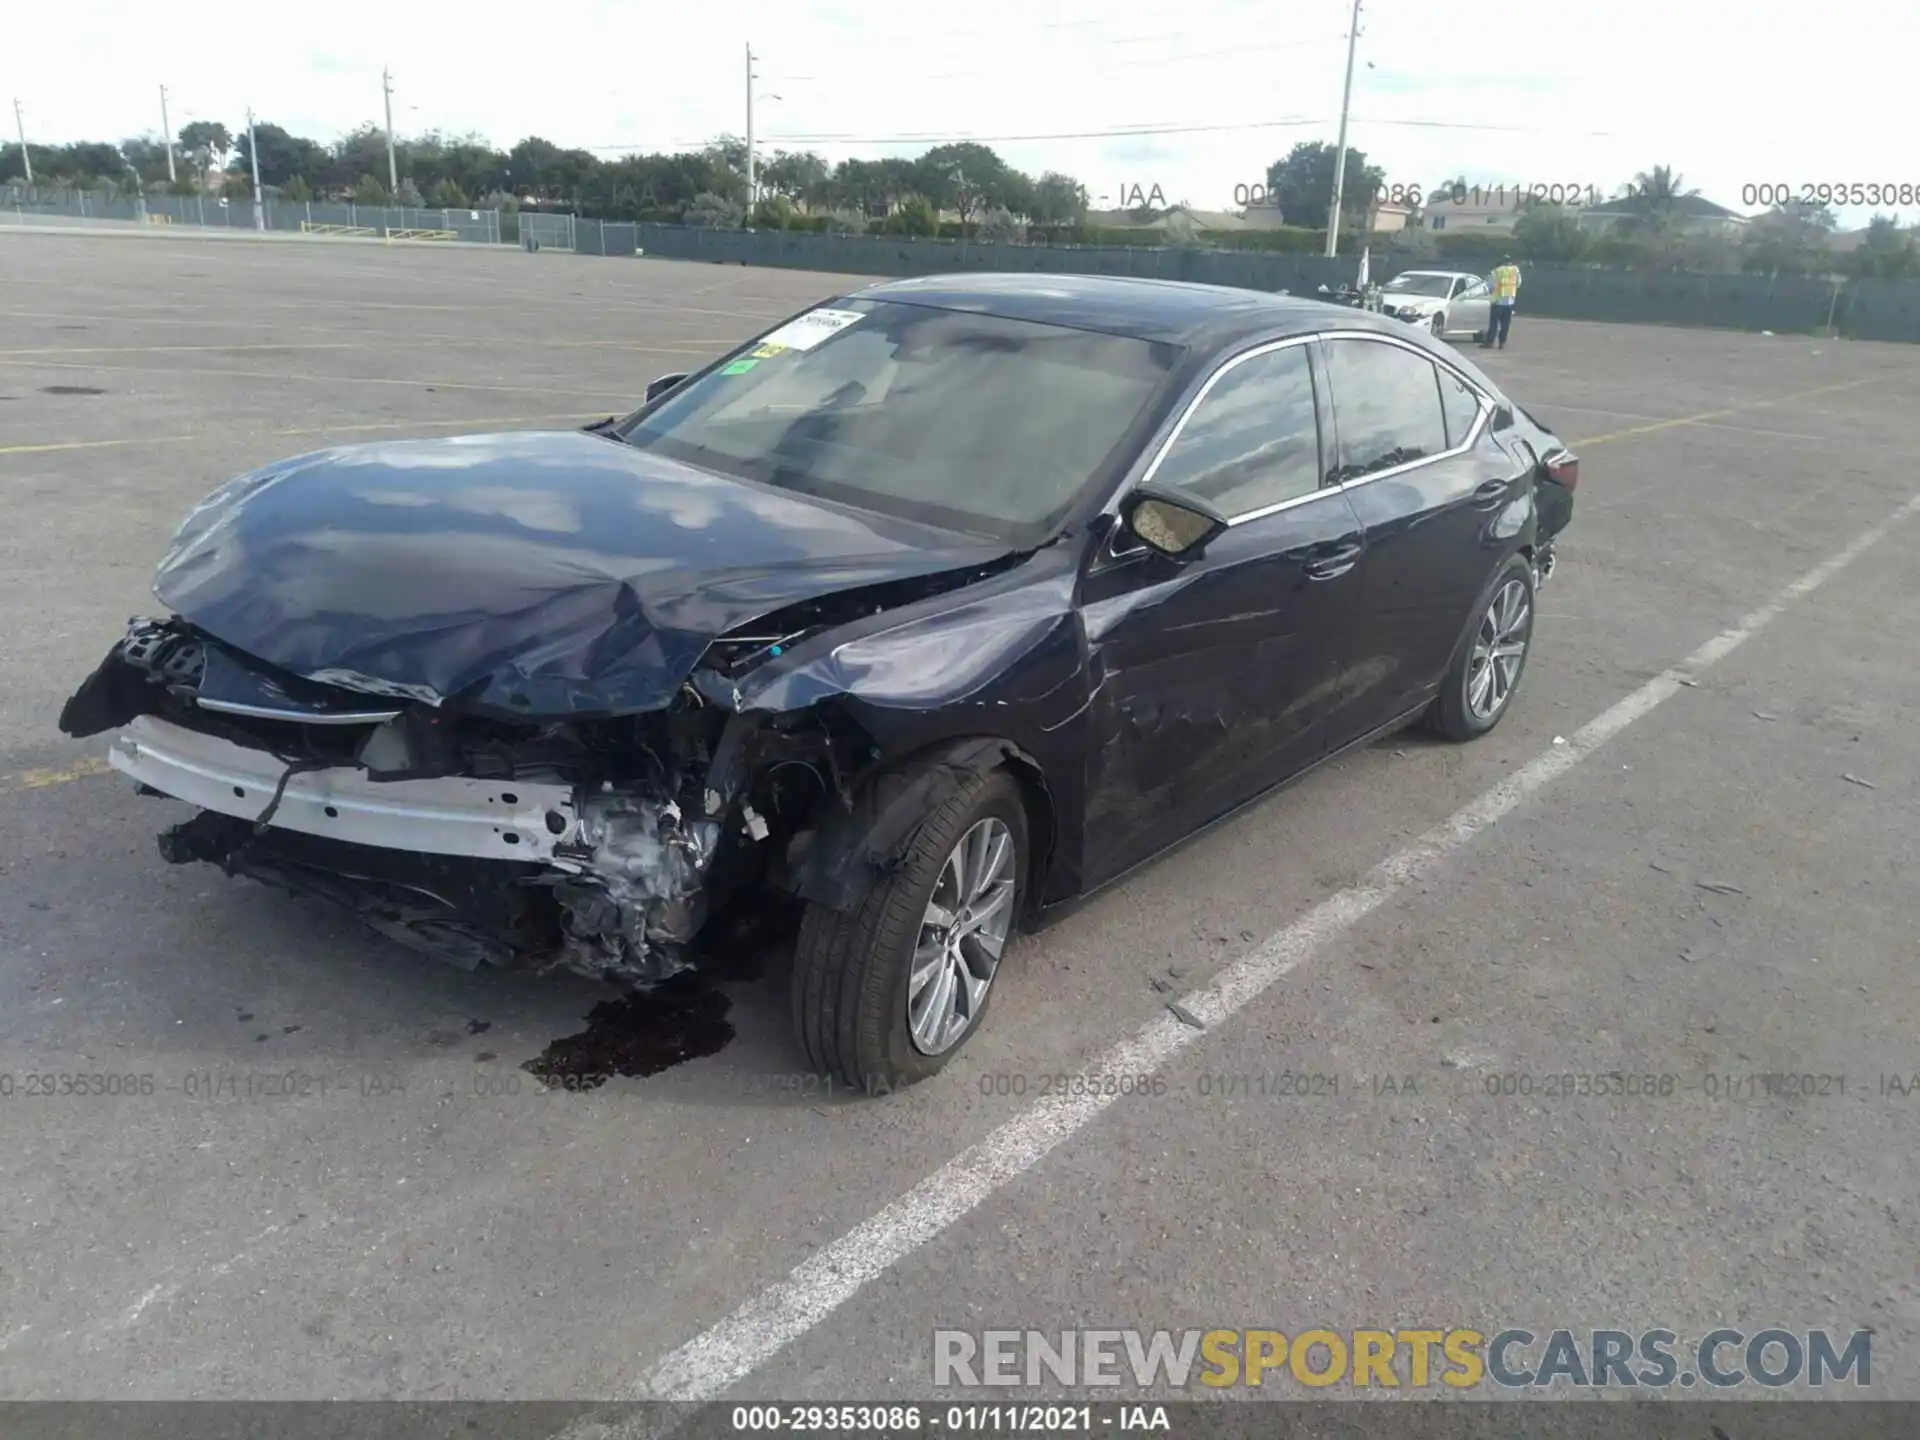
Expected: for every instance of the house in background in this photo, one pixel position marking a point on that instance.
(1690, 214)
(1480, 212)
(1172, 220)
(1383, 219)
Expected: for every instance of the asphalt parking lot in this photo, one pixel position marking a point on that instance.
(1688, 851)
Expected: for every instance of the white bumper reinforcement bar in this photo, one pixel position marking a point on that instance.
(487, 819)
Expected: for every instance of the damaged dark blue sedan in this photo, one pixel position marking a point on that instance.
(926, 613)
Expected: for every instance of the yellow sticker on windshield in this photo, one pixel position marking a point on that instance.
(767, 352)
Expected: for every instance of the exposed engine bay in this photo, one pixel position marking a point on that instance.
(599, 845)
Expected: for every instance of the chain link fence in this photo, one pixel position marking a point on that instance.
(25, 206)
(1784, 304)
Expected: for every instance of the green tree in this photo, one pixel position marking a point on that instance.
(1301, 184)
(774, 212)
(965, 178)
(1058, 199)
(917, 215)
(448, 195)
(1790, 239)
(360, 152)
(84, 163)
(797, 176)
(1001, 224)
(207, 143)
(724, 163)
(147, 157)
(369, 191)
(713, 211)
(297, 190)
(236, 187)
(1652, 197)
(1547, 232)
(1885, 252)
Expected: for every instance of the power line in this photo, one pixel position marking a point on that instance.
(1176, 59)
(1000, 71)
(1115, 133)
(933, 139)
(1001, 33)
(1124, 131)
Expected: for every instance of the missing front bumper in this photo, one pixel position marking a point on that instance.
(458, 816)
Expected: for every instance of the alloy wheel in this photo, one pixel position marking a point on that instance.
(1440, 325)
(962, 935)
(1499, 650)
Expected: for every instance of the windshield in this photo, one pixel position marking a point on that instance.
(970, 422)
(1419, 284)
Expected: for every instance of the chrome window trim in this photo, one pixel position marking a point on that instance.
(1173, 436)
(1474, 432)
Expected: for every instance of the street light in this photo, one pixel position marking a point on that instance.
(20, 127)
(1340, 155)
(751, 193)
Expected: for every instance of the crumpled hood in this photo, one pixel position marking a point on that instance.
(542, 573)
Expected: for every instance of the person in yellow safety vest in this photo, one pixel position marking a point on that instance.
(1505, 282)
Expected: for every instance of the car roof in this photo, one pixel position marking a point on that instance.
(1441, 274)
(1177, 312)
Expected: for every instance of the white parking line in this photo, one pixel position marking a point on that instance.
(704, 1367)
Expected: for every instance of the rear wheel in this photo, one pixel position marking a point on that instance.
(887, 993)
(1481, 682)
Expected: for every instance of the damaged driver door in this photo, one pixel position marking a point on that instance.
(1212, 670)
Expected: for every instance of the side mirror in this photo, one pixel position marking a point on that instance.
(1177, 526)
(660, 384)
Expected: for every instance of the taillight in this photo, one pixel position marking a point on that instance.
(1564, 470)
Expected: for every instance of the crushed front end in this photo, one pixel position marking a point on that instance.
(597, 845)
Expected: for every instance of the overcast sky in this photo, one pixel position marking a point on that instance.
(1520, 92)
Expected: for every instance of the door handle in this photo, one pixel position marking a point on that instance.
(1491, 494)
(1336, 561)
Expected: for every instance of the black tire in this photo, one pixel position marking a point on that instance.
(1439, 327)
(849, 988)
(1449, 716)
(1480, 338)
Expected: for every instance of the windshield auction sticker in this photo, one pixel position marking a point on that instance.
(811, 328)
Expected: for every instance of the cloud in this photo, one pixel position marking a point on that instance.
(1592, 94)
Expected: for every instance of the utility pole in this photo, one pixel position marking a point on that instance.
(749, 127)
(166, 133)
(1340, 155)
(393, 167)
(20, 124)
(259, 200)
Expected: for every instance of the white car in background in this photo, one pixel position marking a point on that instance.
(1445, 302)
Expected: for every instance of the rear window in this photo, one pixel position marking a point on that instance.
(1387, 403)
(1461, 405)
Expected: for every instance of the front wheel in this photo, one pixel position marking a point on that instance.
(887, 993)
(1479, 685)
(1439, 326)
